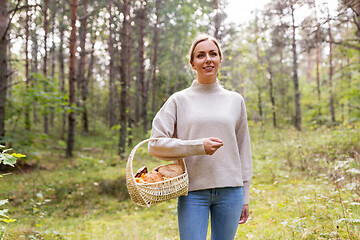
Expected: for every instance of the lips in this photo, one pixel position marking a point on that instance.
(208, 67)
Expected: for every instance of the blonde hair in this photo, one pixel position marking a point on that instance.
(200, 38)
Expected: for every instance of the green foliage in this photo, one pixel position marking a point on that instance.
(305, 186)
(6, 159)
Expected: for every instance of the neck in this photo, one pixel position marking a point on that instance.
(206, 80)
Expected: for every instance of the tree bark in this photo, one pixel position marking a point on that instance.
(72, 80)
(81, 81)
(156, 43)
(170, 70)
(62, 71)
(4, 21)
(46, 23)
(34, 70)
(317, 62)
(124, 71)
(295, 74)
(143, 84)
(331, 69)
(27, 77)
(217, 20)
(271, 92)
(53, 57)
(112, 116)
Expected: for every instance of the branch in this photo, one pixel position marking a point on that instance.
(24, 7)
(10, 85)
(345, 44)
(12, 16)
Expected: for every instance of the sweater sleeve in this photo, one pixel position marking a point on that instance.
(243, 140)
(169, 147)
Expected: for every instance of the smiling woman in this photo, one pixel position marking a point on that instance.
(206, 125)
(206, 59)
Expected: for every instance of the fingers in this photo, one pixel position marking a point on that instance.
(244, 214)
(212, 144)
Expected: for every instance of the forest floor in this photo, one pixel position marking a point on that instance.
(306, 185)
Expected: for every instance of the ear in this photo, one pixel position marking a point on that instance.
(193, 66)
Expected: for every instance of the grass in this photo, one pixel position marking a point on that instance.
(305, 186)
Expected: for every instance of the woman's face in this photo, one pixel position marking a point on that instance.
(206, 61)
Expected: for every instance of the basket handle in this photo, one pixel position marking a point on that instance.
(129, 165)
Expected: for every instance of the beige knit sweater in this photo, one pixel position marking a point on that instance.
(198, 112)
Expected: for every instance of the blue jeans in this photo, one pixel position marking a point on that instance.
(225, 206)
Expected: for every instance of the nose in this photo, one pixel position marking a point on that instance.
(207, 58)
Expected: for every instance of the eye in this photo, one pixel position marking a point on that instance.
(214, 54)
(200, 55)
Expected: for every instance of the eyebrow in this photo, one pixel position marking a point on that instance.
(204, 51)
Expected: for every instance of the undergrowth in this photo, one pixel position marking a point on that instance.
(305, 186)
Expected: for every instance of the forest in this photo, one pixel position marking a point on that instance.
(81, 81)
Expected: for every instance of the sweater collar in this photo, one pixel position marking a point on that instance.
(206, 87)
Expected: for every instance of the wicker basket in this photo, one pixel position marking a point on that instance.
(147, 194)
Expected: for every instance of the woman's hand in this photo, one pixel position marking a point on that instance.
(244, 214)
(212, 144)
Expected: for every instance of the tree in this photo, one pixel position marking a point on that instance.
(46, 23)
(331, 70)
(81, 80)
(72, 80)
(141, 71)
(62, 70)
(295, 68)
(4, 27)
(27, 76)
(155, 53)
(112, 89)
(125, 73)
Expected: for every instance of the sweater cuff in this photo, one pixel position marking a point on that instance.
(195, 147)
(246, 187)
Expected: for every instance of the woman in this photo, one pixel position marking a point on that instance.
(207, 126)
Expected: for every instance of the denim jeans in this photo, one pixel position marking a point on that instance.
(225, 206)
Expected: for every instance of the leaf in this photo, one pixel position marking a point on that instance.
(8, 220)
(7, 159)
(6, 150)
(18, 155)
(2, 202)
(3, 213)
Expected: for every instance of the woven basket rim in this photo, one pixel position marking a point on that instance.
(155, 183)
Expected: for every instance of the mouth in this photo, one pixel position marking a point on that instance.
(208, 67)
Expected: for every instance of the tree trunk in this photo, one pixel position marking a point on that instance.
(34, 70)
(112, 89)
(62, 71)
(125, 65)
(156, 43)
(4, 21)
(271, 92)
(317, 62)
(217, 20)
(53, 57)
(91, 64)
(27, 77)
(142, 81)
(72, 80)
(45, 115)
(331, 95)
(295, 74)
(82, 83)
(128, 83)
(9, 78)
(170, 70)
(260, 105)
